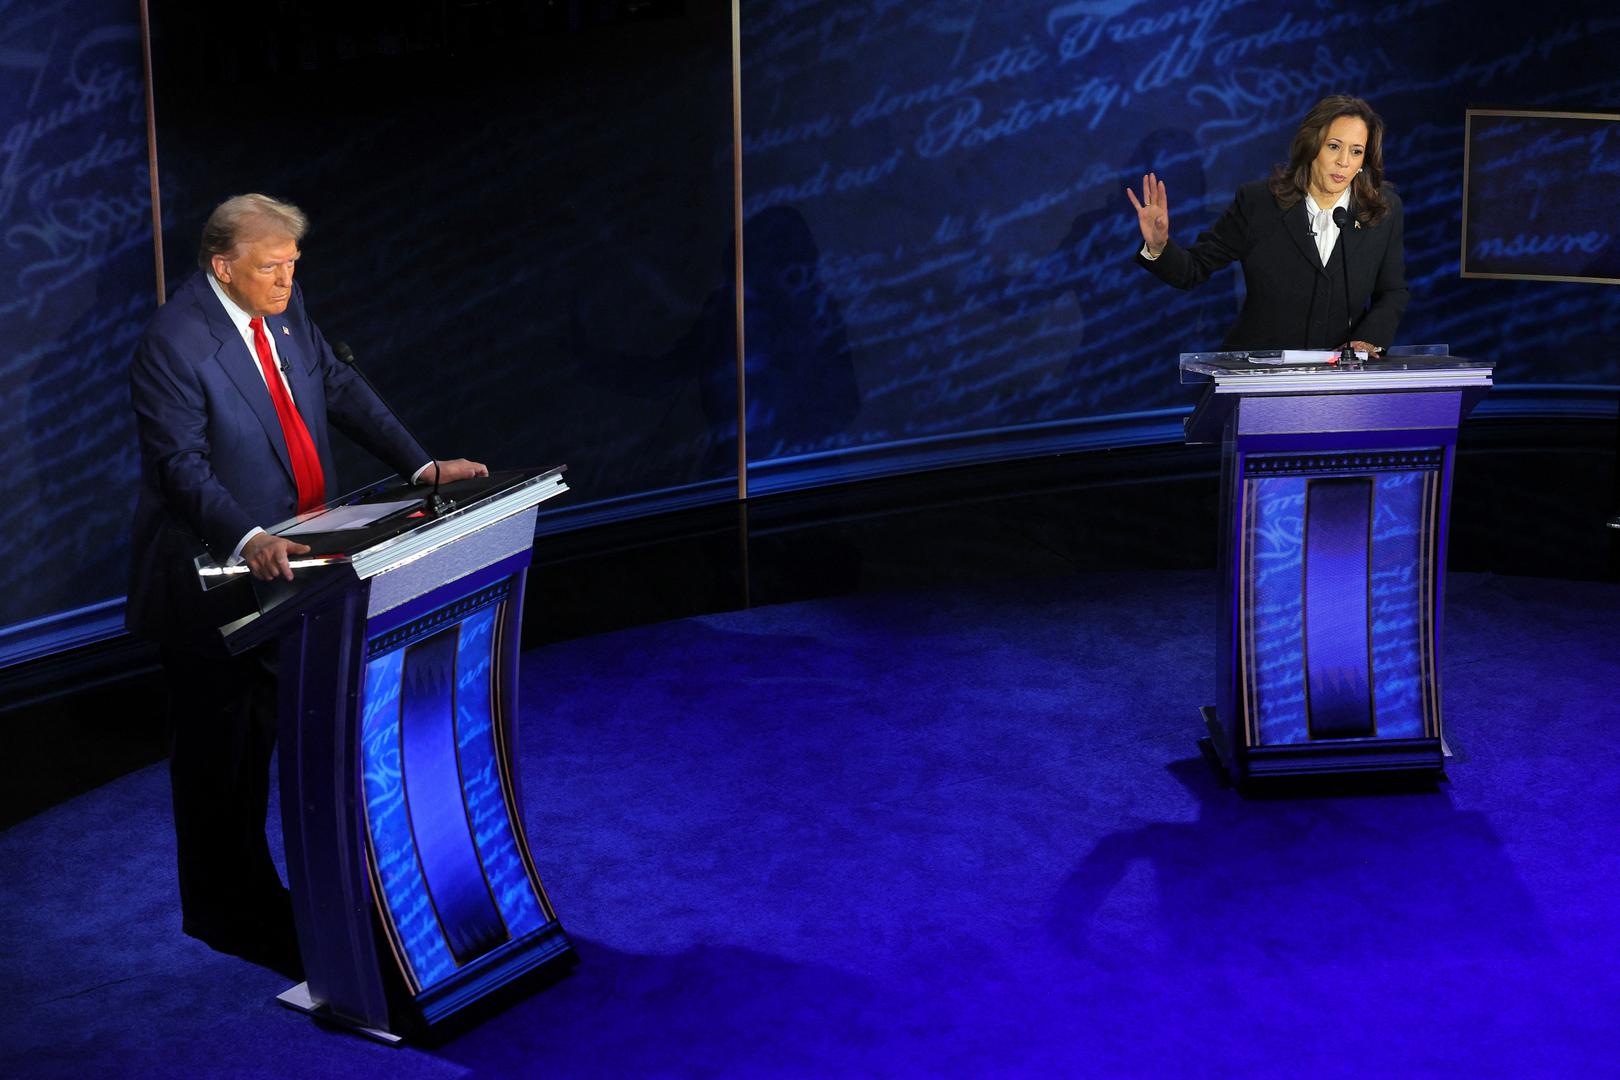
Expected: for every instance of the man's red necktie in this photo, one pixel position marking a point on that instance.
(306, 463)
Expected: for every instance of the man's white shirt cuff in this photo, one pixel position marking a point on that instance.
(236, 555)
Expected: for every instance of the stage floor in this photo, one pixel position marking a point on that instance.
(954, 832)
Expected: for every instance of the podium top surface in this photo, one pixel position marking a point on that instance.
(414, 530)
(1315, 371)
(1233, 377)
(409, 530)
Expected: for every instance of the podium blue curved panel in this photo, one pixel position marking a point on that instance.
(452, 883)
(1336, 605)
(1276, 545)
(1401, 502)
(482, 776)
(402, 889)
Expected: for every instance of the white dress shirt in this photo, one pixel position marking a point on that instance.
(243, 323)
(1322, 228)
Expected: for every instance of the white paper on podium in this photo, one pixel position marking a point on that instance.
(1300, 356)
(344, 518)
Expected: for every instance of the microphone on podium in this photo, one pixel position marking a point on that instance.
(438, 504)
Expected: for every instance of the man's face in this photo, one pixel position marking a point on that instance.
(260, 278)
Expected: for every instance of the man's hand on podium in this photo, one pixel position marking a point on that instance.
(453, 470)
(270, 556)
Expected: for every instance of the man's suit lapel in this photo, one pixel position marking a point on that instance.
(233, 357)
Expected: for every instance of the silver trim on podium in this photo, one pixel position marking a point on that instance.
(401, 550)
(412, 546)
(1283, 381)
(298, 998)
(392, 554)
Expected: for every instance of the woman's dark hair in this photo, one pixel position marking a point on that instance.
(1288, 182)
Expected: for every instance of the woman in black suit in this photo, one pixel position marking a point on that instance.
(1282, 230)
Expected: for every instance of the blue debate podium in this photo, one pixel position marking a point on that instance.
(1335, 489)
(414, 889)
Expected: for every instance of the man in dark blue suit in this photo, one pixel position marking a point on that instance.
(235, 390)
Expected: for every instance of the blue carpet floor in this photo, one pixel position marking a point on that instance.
(947, 833)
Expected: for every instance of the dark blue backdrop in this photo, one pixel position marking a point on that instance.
(961, 169)
(524, 228)
(77, 284)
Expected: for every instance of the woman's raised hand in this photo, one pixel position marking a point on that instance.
(1152, 213)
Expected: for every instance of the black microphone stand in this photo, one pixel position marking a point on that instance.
(1345, 221)
(437, 504)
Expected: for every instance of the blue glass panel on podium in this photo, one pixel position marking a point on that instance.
(444, 844)
(456, 887)
(1338, 519)
(1397, 597)
(408, 908)
(484, 779)
(1276, 545)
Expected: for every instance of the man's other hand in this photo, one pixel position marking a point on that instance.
(451, 471)
(270, 557)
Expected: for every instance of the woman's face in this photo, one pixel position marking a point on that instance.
(1340, 158)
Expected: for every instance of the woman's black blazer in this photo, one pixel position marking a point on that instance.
(1292, 300)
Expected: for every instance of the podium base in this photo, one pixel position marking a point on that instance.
(298, 999)
(1327, 757)
(1212, 746)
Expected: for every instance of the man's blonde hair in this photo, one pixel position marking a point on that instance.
(244, 217)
